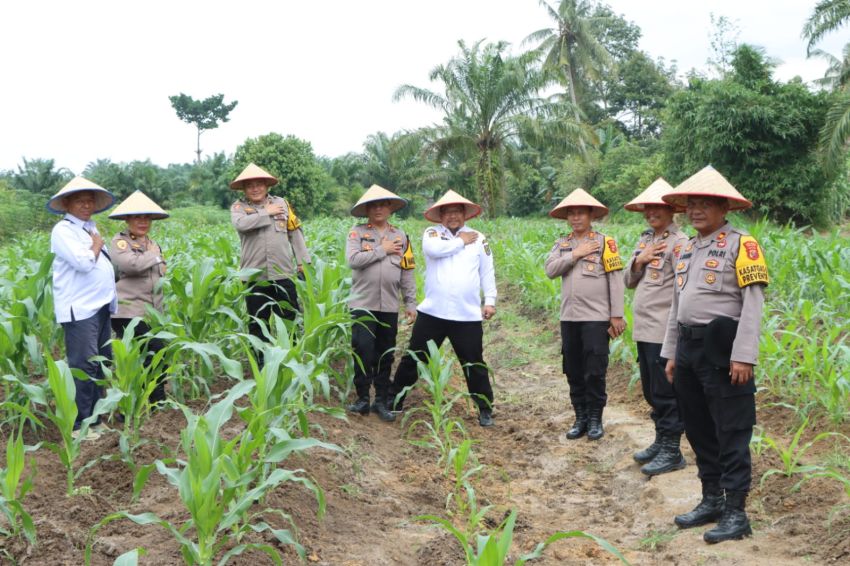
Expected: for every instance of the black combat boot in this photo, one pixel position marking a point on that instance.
(361, 406)
(734, 524)
(647, 454)
(380, 408)
(707, 511)
(579, 427)
(485, 417)
(594, 423)
(669, 457)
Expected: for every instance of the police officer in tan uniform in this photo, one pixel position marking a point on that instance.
(711, 346)
(270, 234)
(592, 307)
(381, 259)
(650, 271)
(139, 265)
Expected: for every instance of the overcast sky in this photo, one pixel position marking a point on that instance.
(85, 80)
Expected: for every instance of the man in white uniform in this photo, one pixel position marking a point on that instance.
(458, 271)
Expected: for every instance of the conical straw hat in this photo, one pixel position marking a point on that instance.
(652, 195)
(579, 197)
(376, 193)
(103, 199)
(471, 210)
(250, 173)
(707, 183)
(136, 204)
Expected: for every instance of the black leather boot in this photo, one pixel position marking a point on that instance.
(361, 406)
(380, 408)
(648, 453)
(594, 423)
(707, 511)
(485, 417)
(669, 457)
(579, 427)
(734, 523)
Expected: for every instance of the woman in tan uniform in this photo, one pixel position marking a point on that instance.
(270, 234)
(651, 272)
(139, 266)
(592, 297)
(381, 261)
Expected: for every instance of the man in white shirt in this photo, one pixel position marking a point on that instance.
(83, 286)
(458, 271)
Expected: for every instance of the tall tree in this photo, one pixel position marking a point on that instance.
(571, 48)
(40, 176)
(488, 99)
(204, 114)
(830, 15)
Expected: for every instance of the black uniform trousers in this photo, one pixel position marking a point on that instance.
(154, 345)
(373, 342)
(466, 339)
(264, 299)
(657, 391)
(718, 416)
(85, 339)
(584, 351)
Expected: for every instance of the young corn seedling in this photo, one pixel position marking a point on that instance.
(441, 430)
(14, 486)
(792, 455)
(492, 548)
(211, 485)
(63, 412)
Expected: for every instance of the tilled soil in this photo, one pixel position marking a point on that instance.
(381, 483)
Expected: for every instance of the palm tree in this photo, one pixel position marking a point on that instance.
(829, 15)
(40, 176)
(570, 49)
(489, 101)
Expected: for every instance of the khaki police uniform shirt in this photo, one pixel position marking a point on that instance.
(140, 266)
(377, 277)
(268, 242)
(592, 288)
(653, 284)
(710, 273)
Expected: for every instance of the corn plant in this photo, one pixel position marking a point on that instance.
(14, 486)
(211, 485)
(792, 455)
(441, 430)
(492, 548)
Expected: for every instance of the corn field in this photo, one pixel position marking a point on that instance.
(246, 425)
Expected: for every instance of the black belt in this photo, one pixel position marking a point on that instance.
(692, 332)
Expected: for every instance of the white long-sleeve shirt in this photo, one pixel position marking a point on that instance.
(456, 275)
(82, 284)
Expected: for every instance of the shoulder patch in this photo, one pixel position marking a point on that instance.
(611, 259)
(407, 261)
(352, 235)
(121, 245)
(750, 265)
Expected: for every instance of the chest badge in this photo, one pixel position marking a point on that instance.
(689, 247)
(710, 278)
(712, 263)
(721, 244)
(680, 266)
(654, 275)
(121, 244)
(680, 280)
(590, 267)
(642, 245)
(655, 263)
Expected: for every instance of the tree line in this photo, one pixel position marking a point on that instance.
(576, 104)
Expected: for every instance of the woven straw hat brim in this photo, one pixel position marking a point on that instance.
(470, 209)
(707, 182)
(103, 199)
(250, 173)
(138, 204)
(577, 198)
(652, 195)
(376, 193)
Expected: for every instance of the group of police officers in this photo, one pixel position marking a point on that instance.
(696, 316)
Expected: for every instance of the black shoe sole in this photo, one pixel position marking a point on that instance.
(740, 536)
(697, 524)
(666, 469)
(644, 460)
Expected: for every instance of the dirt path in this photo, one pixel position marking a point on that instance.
(375, 490)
